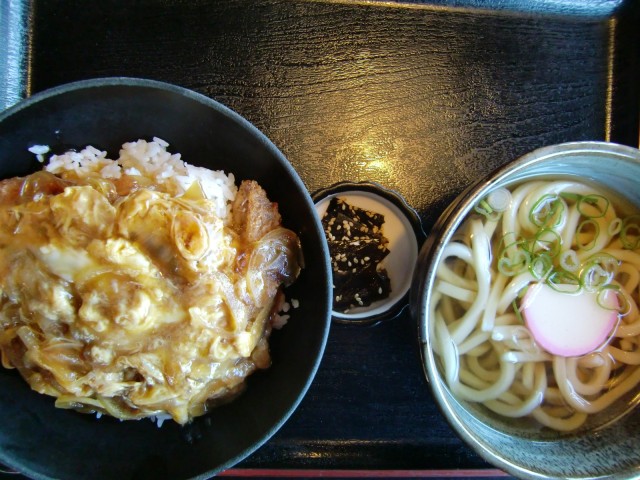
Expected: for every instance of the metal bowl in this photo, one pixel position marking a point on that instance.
(609, 450)
(41, 441)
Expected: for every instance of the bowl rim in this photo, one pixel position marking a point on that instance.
(448, 222)
(233, 116)
(126, 81)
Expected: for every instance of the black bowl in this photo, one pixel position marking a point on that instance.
(41, 441)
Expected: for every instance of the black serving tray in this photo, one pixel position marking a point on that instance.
(421, 97)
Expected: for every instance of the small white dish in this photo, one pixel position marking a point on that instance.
(402, 229)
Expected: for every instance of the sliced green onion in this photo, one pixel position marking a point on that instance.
(572, 197)
(606, 260)
(594, 277)
(598, 271)
(541, 266)
(547, 211)
(503, 245)
(517, 244)
(499, 199)
(514, 265)
(547, 240)
(624, 304)
(630, 232)
(564, 282)
(582, 231)
(597, 202)
(603, 291)
(568, 260)
(483, 208)
(615, 227)
(517, 312)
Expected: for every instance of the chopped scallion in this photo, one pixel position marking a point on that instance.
(592, 206)
(513, 266)
(615, 227)
(630, 232)
(499, 200)
(548, 241)
(547, 211)
(563, 281)
(569, 261)
(541, 266)
(517, 312)
(590, 229)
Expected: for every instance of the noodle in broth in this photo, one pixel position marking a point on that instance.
(557, 233)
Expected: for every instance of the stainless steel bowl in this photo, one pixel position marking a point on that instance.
(608, 451)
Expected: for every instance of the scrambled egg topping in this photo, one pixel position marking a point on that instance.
(132, 302)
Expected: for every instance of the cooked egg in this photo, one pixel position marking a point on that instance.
(137, 303)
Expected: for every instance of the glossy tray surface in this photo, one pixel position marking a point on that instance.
(423, 98)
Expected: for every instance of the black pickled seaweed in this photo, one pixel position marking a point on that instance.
(356, 246)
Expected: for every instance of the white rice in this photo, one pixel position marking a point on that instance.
(39, 151)
(279, 321)
(152, 160)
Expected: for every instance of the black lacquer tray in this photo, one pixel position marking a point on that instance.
(420, 97)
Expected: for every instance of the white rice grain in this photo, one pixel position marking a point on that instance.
(39, 149)
(153, 161)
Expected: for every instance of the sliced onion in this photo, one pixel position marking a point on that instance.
(41, 183)
(275, 259)
(190, 235)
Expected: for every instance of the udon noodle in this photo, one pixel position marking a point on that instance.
(560, 233)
